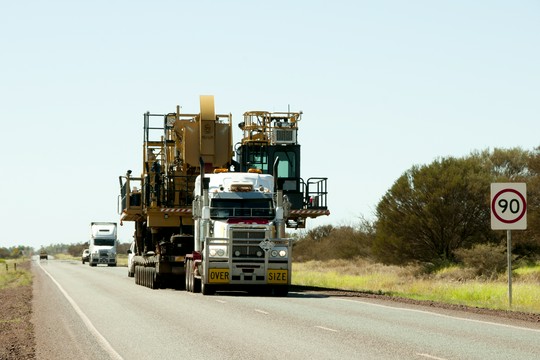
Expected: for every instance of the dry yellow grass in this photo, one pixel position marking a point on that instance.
(12, 274)
(452, 285)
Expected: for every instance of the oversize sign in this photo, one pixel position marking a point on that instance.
(508, 206)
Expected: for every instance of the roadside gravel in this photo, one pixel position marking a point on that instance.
(16, 328)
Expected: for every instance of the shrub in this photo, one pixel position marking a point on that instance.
(328, 242)
(487, 260)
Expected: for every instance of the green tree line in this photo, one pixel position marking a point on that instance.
(74, 250)
(15, 252)
(438, 213)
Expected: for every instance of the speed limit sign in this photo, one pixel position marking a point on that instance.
(508, 206)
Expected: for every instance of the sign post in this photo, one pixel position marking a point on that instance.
(509, 212)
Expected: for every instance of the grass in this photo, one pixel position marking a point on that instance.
(452, 285)
(9, 277)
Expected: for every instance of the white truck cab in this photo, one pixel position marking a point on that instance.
(239, 234)
(102, 244)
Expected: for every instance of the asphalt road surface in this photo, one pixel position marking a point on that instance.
(82, 312)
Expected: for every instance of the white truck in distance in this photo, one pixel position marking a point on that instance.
(239, 235)
(102, 243)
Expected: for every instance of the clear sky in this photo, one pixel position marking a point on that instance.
(383, 85)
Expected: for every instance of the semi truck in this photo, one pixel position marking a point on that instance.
(207, 222)
(102, 243)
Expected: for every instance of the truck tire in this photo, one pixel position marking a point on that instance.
(207, 289)
(189, 279)
(180, 282)
(186, 276)
(281, 291)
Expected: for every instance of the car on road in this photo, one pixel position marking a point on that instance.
(85, 255)
(43, 255)
(130, 263)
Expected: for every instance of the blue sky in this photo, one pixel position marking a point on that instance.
(383, 85)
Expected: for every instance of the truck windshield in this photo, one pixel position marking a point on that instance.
(245, 208)
(104, 242)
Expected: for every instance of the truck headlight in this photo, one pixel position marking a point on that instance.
(217, 251)
(279, 252)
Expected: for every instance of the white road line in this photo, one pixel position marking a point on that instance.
(100, 338)
(325, 328)
(441, 315)
(221, 301)
(430, 356)
(262, 312)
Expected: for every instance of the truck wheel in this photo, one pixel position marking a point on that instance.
(207, 289)
(196, 284)
(281, 291)
(188, 276)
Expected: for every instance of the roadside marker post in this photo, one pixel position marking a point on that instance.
(509, 212)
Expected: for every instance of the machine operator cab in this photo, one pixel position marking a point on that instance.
(268, 136)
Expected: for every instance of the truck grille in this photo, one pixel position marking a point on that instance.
(246, 244)
(248, 234)
(248, 251)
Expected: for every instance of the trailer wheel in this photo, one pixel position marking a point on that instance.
(137, 275)
(153, 279)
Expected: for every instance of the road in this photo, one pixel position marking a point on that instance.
(99, 313)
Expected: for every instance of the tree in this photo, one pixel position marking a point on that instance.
(518, 165)
(531, 237)
(432, 210)
(328, 242)
(76, 250)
